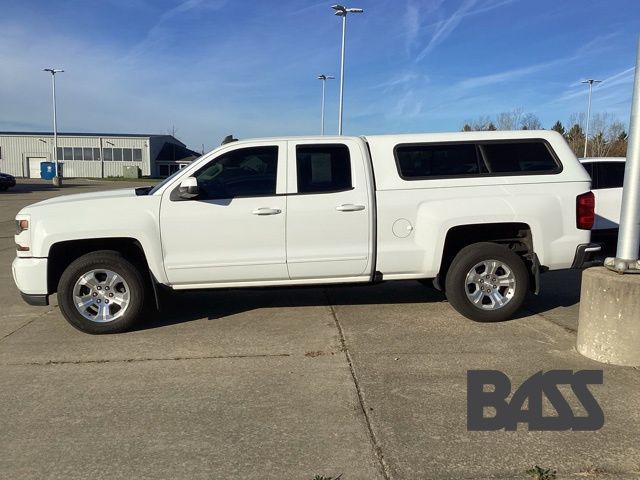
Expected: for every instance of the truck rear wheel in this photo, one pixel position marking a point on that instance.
(487, 282)
(101, 292)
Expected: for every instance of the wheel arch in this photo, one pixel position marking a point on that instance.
(517, 236)
(62, 253)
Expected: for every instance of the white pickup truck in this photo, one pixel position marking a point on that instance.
(480, 213)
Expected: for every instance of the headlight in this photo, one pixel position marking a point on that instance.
(23, 235)
(21, 226)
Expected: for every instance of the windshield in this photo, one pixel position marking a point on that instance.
(164, 182)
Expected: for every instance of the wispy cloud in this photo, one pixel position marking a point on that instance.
(445, 28)
(398, 81)
(506, 76)
(159, 31)
(624, 76)
(308, 8)
(408, 106)
(411, 24)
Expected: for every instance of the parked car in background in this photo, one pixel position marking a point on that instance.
(6, 181)
(607, 176)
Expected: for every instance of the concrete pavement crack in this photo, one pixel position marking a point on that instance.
(26, 324)
(543, 316)
(150, 359)
(377, 448)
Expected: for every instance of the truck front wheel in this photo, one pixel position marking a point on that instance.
(101, 292)
(487, 282)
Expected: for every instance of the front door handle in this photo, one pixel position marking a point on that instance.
(349, 207)
(267, 211)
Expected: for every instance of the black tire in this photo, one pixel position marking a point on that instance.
(458, 290)
(114, 262)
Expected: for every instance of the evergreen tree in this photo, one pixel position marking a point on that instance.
(575, 139)
(558, 127)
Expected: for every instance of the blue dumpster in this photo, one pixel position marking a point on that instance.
(47, 170)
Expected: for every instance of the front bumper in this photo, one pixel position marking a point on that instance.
(584, 255)
(35, 300)
(30, 276)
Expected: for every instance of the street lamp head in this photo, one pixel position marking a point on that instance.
(591, 81)
(342, 11)
(53, 71)
(325, 77)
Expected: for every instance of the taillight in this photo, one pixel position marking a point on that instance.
(585, 210)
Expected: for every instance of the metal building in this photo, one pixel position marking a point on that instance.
(92, 155)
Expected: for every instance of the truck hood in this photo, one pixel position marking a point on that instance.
(86, 197)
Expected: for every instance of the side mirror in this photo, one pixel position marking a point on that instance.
(189, 188)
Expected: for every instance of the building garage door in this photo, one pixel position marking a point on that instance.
(34, 166)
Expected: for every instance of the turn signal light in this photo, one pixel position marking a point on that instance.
(21, 226)
(585, 210)
(20, 248)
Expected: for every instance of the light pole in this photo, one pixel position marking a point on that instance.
(342, 11)
(56, 179)
(586, 135)
(324, 79)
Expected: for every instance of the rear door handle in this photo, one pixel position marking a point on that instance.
(267, 211)
(349, 207)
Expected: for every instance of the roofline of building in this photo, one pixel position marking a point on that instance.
(85, 134)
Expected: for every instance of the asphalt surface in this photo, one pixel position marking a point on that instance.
(367, 382)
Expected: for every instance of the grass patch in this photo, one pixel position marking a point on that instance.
(539, 473)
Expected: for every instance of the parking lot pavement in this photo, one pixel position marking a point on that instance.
(369, 382)
(411, 361)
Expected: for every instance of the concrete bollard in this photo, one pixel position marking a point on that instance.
(609, 318)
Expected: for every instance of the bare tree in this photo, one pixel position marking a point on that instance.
(607, 134)
(483, 123)
(579, 119)
(619, 148)
(509, 120)
(530, 121)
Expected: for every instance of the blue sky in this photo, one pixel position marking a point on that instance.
(213, 67)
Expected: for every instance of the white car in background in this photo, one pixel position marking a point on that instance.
(607, 176)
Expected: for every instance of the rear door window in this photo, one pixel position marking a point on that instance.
(323, 168)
